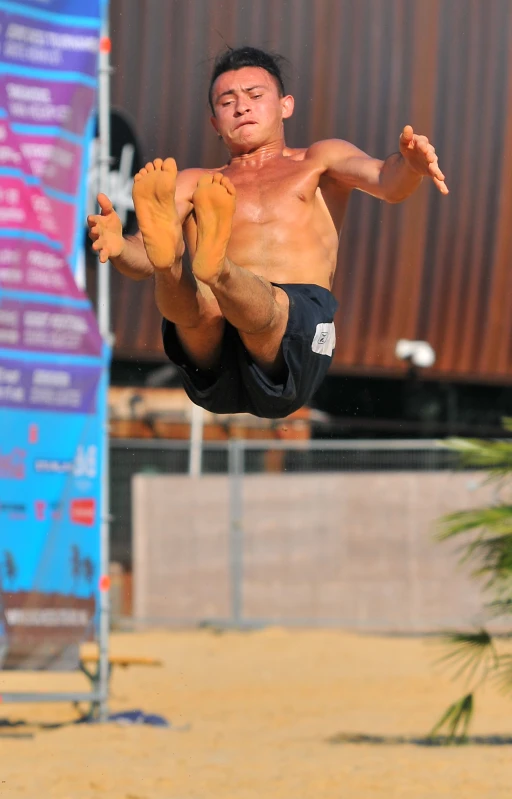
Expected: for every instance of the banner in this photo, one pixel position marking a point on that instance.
(53, 362)
(48, 85)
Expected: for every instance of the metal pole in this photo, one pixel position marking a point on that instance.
(196, 441)
(236, 467)
(104, 326)
(104, 167)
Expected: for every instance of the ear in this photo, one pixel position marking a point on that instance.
(287, 104)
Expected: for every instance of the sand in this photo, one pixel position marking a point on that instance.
(253, 717)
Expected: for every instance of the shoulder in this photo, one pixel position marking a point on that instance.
(326, 149)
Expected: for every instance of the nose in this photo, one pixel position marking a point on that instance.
(242, 106)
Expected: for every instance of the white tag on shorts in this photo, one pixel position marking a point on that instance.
(325, 339)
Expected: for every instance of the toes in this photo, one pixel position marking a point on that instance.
(217, 179)
(169, 165)
(140, 174)
(204, 180)
(150, 167)
(157, 163)
(228, 186)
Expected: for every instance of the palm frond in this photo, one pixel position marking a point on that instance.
(497, 519)
(469, 653)
(500, 607)
(503, 676)
(495, 557)
(456, 719)
(494, 456)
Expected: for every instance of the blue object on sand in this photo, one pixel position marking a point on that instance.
(139, 717)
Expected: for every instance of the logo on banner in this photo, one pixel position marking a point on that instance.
(83, 511)
(85, 464)
(53, 466)
(40, 509)
(12, 465)
(125, 160)
(14, 510)
(33, 434)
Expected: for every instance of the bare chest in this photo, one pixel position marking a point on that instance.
(262, 193)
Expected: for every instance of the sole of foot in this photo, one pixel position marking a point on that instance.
(214, 203)
(153, 193)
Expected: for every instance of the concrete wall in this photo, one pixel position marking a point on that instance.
(353, 549)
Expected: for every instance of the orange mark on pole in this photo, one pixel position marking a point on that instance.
(105, 582)
(105, 44)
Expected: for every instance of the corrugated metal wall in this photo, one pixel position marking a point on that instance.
(435, 268)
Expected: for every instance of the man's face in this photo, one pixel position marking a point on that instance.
(248, 110)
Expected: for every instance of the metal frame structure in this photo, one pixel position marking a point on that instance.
(104, 324)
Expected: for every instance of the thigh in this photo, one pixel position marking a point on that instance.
(265, 347)
(203, 343)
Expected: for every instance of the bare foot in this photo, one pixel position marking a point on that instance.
(153, 197)
(214, 206)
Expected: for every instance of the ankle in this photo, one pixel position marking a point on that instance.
(221, 277)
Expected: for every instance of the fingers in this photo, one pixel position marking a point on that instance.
(94, 232)
(441, 185)
(422, 155)
(434, 170)
(428, 151)
(102, 250)
(407, 136)
(91, 221)
(104, 203)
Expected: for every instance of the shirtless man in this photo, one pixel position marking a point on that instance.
(250, 325)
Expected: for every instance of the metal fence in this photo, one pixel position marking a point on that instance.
(300, 533)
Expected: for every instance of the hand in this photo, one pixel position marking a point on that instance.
(106, 230)
(421, 157)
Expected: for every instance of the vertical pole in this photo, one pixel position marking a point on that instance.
(196, 441)
(104, 326)
(104, 166)
(236, 468)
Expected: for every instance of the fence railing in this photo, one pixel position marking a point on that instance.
(163, 456)
(294, 532)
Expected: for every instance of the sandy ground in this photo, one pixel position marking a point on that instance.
(253, 715)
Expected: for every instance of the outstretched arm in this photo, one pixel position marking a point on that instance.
(392, 180)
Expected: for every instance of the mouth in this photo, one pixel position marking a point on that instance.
(244, 124)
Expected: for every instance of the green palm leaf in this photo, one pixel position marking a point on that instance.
(494, 456)
(497, 519)
(486, 540)
(470, 653)
(457, 716)
(500, 607)
(503, 676)
(495, 556)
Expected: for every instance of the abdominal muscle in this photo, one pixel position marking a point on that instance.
(283, 258)
(296, 245)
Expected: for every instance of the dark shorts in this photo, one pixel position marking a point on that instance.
(240, 386)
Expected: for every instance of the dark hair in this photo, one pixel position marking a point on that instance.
(233, 59)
